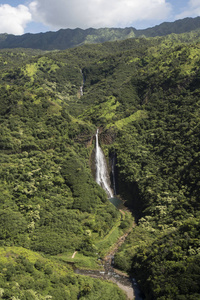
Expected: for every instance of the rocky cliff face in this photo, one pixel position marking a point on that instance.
(108, 136)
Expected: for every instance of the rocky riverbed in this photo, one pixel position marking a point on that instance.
(124, 282)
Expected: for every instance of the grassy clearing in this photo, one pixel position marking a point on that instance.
(80, 261)
(105, 111)
(105, 244)
(140, 114)
(31, 70)
(111, 238)
(9, 254)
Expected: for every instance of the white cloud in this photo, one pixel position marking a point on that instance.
(192, 9)
(194, 3)
(14, 19)
(97, 13)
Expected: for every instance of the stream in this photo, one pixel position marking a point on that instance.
(124, 282)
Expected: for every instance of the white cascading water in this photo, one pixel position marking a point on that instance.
(81, 87)
(102, 176)
(113, 174)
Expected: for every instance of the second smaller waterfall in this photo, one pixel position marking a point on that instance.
(102, 176)
(82, 86)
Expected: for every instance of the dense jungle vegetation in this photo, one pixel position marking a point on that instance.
(144, 95)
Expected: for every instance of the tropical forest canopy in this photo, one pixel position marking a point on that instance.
(144, 95)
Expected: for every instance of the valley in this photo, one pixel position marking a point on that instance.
(143, 96)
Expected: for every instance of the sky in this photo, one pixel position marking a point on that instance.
(22, 16)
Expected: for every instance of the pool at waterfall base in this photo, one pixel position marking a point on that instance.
(118, 203)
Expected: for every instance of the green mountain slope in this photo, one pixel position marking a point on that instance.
(28, 275)
(68, 38)
(147, 98)
(40, 139)
(49, 201)
(144, 95)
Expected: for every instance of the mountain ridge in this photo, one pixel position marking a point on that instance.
(69, 38)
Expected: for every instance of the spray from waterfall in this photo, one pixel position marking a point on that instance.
(102, 176)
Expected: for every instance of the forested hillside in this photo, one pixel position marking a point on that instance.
(144, 95)
(50, 202)
(149, 97)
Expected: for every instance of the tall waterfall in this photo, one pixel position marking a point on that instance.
(102, 176)
(82, 86)
(113, 173)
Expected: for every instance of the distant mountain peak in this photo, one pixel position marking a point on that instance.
(68, 38)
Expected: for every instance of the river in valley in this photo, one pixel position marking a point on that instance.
(124, 282)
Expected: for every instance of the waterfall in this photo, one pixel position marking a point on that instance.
(102, 176)
(81, 87)
(113, 173)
